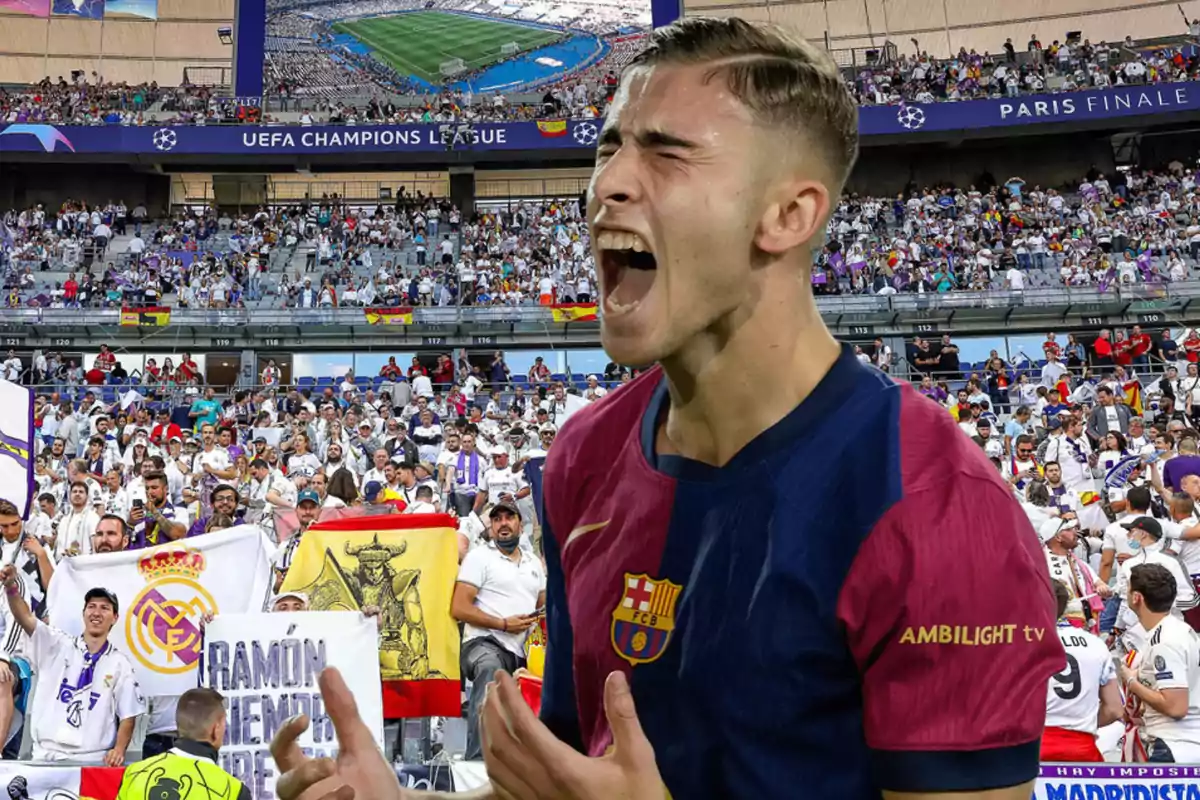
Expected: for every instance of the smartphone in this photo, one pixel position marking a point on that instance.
(138, 503)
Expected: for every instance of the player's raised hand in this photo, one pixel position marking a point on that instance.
(526, 762)
(359, 772)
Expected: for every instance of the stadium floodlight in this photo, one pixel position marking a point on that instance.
(225, 34)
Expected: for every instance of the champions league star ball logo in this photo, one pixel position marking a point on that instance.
(158, 628)
(165, 139)
(911, 117)
(585, 133)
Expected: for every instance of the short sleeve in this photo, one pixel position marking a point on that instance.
(130, 702)
(950, 593)
(1169, 661)
(1108, 670)
(44, 643)
(560, 711)
(473, 570)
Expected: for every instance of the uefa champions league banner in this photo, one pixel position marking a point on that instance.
(266, 666)
(163, 593)
(264, 140)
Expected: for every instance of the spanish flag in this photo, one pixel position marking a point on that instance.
(1133, 396)
(1088, 498)
(156, 317)
(388, 316)
(406, 564)
(574, 312)
(553, 128)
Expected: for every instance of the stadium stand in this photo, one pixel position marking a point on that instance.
(1081, 291)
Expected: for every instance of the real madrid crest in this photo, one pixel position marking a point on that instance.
(159, 628)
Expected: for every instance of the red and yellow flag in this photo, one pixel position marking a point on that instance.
(574, 312)
(552, 128)
(1133, 396)
(406, 564)
(154, 317)
(388, 316)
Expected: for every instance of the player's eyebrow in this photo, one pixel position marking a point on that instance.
(648, 139)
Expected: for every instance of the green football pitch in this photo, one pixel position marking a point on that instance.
(419, 42)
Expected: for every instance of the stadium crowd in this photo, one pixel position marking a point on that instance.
(1107, 230)
(307, 75)
(139, 472)
(1061, 66)
(1097, 439)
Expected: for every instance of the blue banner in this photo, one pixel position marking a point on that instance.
(256, 140)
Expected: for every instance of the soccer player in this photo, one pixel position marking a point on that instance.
(1082, 698)
(1167, 681)
(780, 558)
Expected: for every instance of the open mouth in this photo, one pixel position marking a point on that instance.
(629, 267)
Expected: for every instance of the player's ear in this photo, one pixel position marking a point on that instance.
(795, 215)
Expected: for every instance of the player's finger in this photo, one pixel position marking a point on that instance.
(295, 782)
(628, 736)
(353, 735)
(285, 748)
(508, 765)
(534, 736)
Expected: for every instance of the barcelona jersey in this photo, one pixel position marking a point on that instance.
(854, 603)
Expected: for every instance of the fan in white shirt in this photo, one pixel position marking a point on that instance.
(1146, 541)
(1060, 538)
(1084, 697)
(87, 698)
(1166, 683)
(76, 526)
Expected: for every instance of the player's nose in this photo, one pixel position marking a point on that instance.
(618, 181)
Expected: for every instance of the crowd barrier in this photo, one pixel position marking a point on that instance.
(1084, 297)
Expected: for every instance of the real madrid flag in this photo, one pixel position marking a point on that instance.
(163, 593)
(17, 482)
(406, 565)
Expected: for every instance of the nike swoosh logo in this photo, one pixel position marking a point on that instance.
(583, 530)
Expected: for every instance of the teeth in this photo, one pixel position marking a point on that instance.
(621, 240)
(614, 308)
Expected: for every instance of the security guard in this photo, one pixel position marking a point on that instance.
(188, 771)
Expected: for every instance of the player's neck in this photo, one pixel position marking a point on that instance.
(1150, 619)
(746, 373)
(94, 641)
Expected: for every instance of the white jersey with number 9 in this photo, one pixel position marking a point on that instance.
(1073, 695)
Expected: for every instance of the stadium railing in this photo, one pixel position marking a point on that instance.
(1082, 297)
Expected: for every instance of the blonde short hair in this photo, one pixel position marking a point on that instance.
(784, 80)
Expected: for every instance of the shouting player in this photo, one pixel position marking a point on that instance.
(1082, 698)
(769, 566)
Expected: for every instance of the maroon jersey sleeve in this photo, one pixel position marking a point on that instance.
(949, 614)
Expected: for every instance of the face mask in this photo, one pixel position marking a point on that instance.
(1134, 544)
(507, 546)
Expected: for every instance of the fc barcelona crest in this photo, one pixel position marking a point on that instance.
(644, 618)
